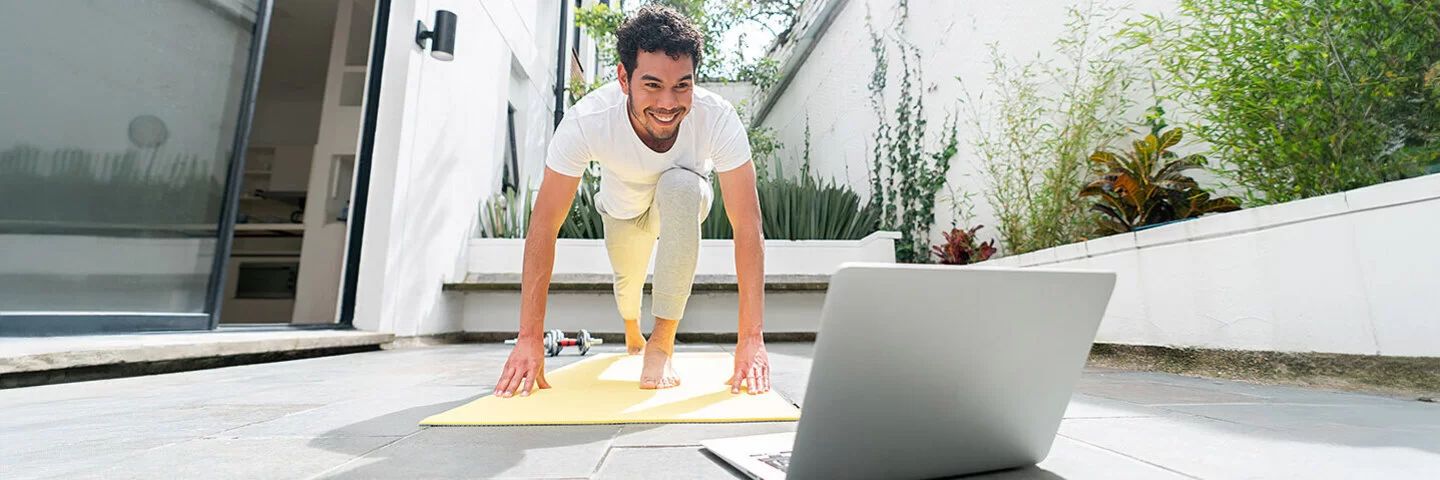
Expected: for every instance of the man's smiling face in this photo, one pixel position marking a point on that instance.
(660, 92)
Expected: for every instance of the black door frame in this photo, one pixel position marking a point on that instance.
(219, 272)
(360, 201)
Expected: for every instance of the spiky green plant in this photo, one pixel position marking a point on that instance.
(584, 220)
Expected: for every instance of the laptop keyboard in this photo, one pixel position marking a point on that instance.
(781, 461)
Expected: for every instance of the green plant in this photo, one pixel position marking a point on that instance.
(600, 23)
(904, 177)
(1148, 186)
(960, 247)
(1300, 98)
(800, 208)
(578, 88)
(715, 19)
(584, 220)
(506, 216)
(1033, 144)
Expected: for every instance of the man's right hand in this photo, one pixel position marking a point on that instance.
(524, 370)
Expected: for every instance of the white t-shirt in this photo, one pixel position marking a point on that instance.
(711, 138)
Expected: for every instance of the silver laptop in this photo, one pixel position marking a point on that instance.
(927, 371)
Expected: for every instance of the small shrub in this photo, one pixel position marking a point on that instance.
(1148, 186)
(960, 248)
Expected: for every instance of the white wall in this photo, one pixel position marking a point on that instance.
(737, 93)
(830, 89)
(439, 141)
(1353, 272)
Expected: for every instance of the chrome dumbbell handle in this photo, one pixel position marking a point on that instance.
(555, 341)
(552, 342)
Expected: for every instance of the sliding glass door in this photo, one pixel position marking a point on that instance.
(119, 123)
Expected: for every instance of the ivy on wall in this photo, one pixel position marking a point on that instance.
(905, 176)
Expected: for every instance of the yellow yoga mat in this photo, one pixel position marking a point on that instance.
(606, 390)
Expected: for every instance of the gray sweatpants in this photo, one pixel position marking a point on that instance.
(682, 201)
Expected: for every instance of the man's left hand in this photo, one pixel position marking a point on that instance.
(752, 367)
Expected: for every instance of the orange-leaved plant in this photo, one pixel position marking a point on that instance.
(1148, 186)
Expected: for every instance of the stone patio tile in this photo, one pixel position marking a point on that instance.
(1416, 417)
(1090, 406)
(487, 452)
(687, 435)
(1151, 393)
(677, 463)
(1263, 392)
(23, 461)
(238, 458)
(1070, 459)
(393, 414)
(165, 425)
(1208, 448)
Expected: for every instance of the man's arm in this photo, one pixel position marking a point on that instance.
(552, 206)
(742, 205)
(526, 366)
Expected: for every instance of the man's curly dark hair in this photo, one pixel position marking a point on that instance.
(655, 28)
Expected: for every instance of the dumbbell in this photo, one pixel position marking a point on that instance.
(584, 342)
(555, 341)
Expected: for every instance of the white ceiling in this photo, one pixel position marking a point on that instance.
(297, 52)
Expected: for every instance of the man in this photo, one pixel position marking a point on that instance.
(657, 138)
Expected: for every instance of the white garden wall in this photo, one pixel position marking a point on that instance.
(829, 90)
(1355, 272)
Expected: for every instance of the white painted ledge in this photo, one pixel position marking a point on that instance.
(1354, 272)
(717, 257)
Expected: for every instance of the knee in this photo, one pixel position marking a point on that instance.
(681, 186)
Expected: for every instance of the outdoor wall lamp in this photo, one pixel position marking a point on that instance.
(442, 37)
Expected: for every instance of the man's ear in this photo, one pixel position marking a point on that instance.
(624, 79)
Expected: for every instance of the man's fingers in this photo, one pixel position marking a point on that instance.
(543, 382)
(525, 384)
(514, 382)
(504, 380)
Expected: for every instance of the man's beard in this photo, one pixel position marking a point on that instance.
(647, 121)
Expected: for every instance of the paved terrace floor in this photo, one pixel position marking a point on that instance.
(356, 416)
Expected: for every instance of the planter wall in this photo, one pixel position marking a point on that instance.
(1356, 272)
(717, 257)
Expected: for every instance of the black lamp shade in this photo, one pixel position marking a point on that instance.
(444, 46)
(442, 38)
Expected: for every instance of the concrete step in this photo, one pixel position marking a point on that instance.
(491, 304)
(600, 282)
(26, 361)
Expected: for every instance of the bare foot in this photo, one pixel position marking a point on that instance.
(657, 371)
(634, 341)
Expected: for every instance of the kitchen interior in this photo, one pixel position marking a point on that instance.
(286, 263)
